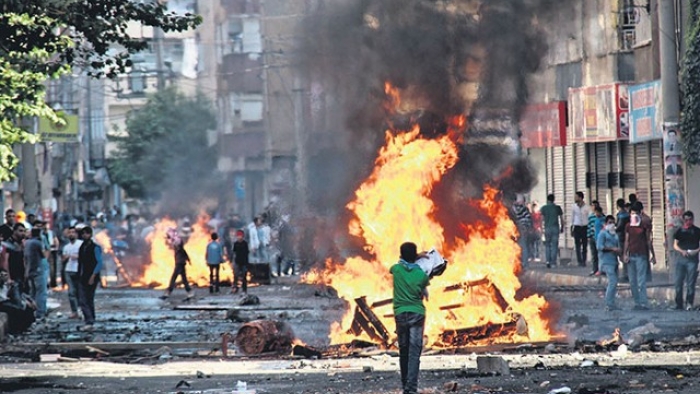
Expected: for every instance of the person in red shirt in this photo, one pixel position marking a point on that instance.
(639, 252)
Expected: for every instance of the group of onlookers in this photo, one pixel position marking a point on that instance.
(623, 240)
(241, 245)
(29, 265)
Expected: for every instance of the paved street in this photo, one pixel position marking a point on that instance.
(186, 341)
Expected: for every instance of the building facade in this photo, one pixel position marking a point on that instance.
(578, 132)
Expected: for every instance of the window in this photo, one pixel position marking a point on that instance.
(629, 17)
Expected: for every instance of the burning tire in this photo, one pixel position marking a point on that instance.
(261, 336)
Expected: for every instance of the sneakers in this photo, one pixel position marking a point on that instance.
(689, 307)
(609, 308)
(87, 327)
(164, 296)
(190, 295)
(640, 308)
(73, 315)
(549, 265)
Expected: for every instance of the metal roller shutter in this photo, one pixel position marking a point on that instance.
(581, 169)
(629, 175)
(558, 185)
(602, 164)
(658, 214)
(643, 173)
(616, 173)
(570, 187)
(592, 173)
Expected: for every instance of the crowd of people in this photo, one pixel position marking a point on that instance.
(29, 266)
(257, 242)
(620, 242)
(36, 257)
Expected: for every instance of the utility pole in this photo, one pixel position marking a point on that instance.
(30, 186)
(670, 92)
(675, 201)
(158, 42)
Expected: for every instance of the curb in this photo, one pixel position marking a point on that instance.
(3, 325)
(659, 292)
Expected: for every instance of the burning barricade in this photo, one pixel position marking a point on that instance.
(475, 301)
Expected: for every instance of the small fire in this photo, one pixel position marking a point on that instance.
(394, 206)
(160, 269)
(103, 239)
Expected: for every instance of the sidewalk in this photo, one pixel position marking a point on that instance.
(659, 288)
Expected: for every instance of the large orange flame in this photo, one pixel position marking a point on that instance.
(393, 206)
(158, 272)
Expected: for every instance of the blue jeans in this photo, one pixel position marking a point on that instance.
(524, 243)
(409, 328)
(551, 245)
(637, 271)
(610, 270)
(686, 273)
(72, 279)
(38, 291)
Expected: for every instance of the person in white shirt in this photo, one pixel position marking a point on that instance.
(253, 239)
(579, 227)
(265, 237)
(70, 262)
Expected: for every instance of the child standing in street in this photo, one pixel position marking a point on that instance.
(214, 257)
(240, 263)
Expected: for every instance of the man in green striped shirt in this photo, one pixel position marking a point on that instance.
(410, 284)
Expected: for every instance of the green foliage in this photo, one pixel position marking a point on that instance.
(690, 119)
(41, 39)
(165, 151)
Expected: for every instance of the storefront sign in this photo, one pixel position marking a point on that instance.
(239, 186)
(492, 127)
(599, 113)
(645, 112)
(543, 125)
(67, 131)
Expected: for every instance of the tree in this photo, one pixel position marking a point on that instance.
(690, 119)
(42, 39)
(164, 153)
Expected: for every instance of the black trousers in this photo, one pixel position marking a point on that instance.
(240, 273)
(182, 272)
(214, 278)
(86, 299)
(581, 242)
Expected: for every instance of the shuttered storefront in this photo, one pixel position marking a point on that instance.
(629, 173)
(616, 174)
(658, 197)
(607, 171)
(557, 185)
(598, 174)
(571, 169)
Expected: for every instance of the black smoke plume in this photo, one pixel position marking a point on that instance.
(436, 53)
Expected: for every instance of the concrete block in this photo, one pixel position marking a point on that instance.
(4, 321)
(492, 365)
